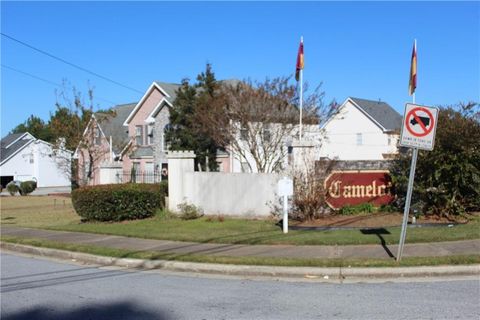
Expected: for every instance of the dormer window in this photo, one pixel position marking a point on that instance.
(150, 130)
(98, 136)
(139, 135)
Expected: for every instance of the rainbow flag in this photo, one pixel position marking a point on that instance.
(412, 85)
(300, 62)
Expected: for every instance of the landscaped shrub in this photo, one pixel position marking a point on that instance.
(12, 188)
(189, 211)
(357, 209)
(117, 202)
(27, 187)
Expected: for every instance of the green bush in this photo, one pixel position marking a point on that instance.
(27, 187)
(117, 202)
(189, 211)
(447, 179)
(12, 188)
(358, 209)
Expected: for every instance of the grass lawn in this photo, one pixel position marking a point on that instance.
(259, 261)
(57, 213)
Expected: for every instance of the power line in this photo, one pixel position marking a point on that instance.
(48, 81)
(69, 63)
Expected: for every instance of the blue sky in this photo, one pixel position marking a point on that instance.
(359, 49)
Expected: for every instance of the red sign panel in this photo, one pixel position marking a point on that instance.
(357, 187)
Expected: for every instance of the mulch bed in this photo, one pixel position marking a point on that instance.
(375, 220)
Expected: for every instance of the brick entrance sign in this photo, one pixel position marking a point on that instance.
(356, 187)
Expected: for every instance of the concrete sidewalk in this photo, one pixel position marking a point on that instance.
(466, 247)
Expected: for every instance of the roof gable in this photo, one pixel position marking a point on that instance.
(380, 112)
(13, 143)
(168, 90)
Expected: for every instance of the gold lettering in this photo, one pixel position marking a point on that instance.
(358, 191)
(368, 191)
(381, 190)
(346, 192)
(374, 184)
(334, 190)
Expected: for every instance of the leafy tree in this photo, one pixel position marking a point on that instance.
(37, 127)
(254, 121)
(184, 132)
(71, 118)
(447, 179)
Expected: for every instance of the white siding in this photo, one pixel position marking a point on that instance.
(352, 135)
(47, 169)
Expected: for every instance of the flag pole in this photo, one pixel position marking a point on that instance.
(411, 178)
(301, 95)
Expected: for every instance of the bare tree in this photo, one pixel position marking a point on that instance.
(256, 121)
(78, 129)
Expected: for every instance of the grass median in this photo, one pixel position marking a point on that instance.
(258, 261)
(56, 213)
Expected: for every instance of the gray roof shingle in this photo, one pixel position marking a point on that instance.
(381, 112)
(170, 88)
(112, 125)
(141, 151)
(5, 152)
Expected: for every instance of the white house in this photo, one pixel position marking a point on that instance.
(23, 157)
(361, 130)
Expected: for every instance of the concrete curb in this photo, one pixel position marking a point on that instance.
(335, 273)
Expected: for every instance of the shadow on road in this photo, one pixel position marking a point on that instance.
(378, 232)
(117, 310)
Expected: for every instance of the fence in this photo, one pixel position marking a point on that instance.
(140, 177)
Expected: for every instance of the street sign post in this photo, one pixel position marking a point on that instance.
(285, 189)
(418, 127)
(418, 132)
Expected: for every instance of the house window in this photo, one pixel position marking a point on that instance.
(98, 137)
(150, 134)
(359, 139)
(245, 167)
(244, 133)
(266, 133)
(139, 135)
(86, 169)
(164, 137)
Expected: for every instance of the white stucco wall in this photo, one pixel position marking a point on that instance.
(37, 162)
(238, 194)
(111, 173)
(341, 131)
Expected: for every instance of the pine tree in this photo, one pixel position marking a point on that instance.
(184, 132)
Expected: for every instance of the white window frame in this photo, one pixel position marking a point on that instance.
(359, 139)
(150, 133)
(139, 135)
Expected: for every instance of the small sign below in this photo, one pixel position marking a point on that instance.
(285, 187)
(419, 126)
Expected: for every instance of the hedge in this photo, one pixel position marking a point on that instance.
(28, 187)
(117, 202)
(12, 188)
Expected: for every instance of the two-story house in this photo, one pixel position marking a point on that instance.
(361, 130)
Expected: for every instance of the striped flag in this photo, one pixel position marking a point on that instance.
(412, 85)
(299, 61)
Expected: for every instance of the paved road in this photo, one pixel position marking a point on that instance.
(41, 289)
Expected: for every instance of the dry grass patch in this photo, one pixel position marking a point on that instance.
(37, 211)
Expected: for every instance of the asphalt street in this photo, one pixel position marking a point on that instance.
(34, 288)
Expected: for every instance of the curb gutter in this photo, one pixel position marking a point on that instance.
(335, 273)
